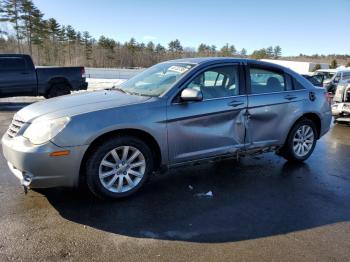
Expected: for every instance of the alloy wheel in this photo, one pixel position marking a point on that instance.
(303, 140)
(122, 168)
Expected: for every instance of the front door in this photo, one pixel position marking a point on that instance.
(213, 126)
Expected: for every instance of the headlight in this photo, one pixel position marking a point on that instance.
(40, 132)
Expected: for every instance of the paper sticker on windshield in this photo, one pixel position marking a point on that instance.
(178, 69)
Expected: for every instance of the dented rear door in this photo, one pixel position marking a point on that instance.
(272, 106)
(212, 127)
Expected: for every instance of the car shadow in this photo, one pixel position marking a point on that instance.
(255, 197)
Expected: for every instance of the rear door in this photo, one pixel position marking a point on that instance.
(214, 126)
(17, 78)
(272, 105)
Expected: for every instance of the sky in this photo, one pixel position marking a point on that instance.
(298, 26)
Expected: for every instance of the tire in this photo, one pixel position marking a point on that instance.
(57, 90)
(300, 144)
(100, 173)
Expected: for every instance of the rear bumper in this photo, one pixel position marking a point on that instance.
(341, 112)
(33, 166)
(325, 123)
(341, 109)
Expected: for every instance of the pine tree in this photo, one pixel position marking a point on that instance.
(277, 52)
(150, 47)
(243, 52)
(62, 43)
(10, 11)
(54, 29)
(107, 45)
(228, 50)
(260, 54)
(30, 16)
(87, 46)
(175, 46)
(160, 49)
(40, 32)
(202, 48)
(71, 37)
(270, 52)
(233, 50)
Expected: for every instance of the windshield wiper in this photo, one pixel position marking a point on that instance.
(126, 92)
(137, 94)
(119, 89)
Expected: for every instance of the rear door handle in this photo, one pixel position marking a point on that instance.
(235, 103)
(290, 97)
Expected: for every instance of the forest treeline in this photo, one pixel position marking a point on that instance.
(25, 30)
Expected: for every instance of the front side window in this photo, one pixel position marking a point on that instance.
(12, 64)
(346, 76)
(336, 78)
(217, 82)
(266, 81)
(156, 80)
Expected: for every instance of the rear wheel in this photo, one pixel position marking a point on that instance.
(58, 90)
(301, 141)
(118, 167)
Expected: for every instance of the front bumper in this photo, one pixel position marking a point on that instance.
(341, 112)
(35, 168)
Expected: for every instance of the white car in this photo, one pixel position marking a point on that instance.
(341, 106)
(332, 77)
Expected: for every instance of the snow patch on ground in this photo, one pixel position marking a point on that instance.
(94, 84)
(100, 84)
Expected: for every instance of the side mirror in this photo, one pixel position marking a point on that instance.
(189, 94)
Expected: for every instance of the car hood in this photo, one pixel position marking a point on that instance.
(75, 104)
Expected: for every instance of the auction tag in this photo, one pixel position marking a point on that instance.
(178, 69)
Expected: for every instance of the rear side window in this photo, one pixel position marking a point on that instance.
(266, 81)
(12, 64)
(346, 75)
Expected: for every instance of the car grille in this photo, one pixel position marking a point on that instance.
(15, 126)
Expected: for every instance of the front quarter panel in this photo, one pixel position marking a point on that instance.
(85, 128)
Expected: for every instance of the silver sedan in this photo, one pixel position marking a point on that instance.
(175, 113)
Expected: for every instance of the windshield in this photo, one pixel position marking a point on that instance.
(327, 75)
(156, 80)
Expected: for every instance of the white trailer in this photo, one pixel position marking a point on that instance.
(304, 68)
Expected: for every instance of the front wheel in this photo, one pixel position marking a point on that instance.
(118, 167)
(301, 141)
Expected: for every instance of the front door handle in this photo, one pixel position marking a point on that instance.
(290, 97)
(235, 103)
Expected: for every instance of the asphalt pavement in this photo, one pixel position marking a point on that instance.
(259, 208)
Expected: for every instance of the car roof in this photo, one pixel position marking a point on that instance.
(214, 60)
(201, 60)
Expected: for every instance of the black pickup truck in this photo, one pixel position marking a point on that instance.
(19, 77)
